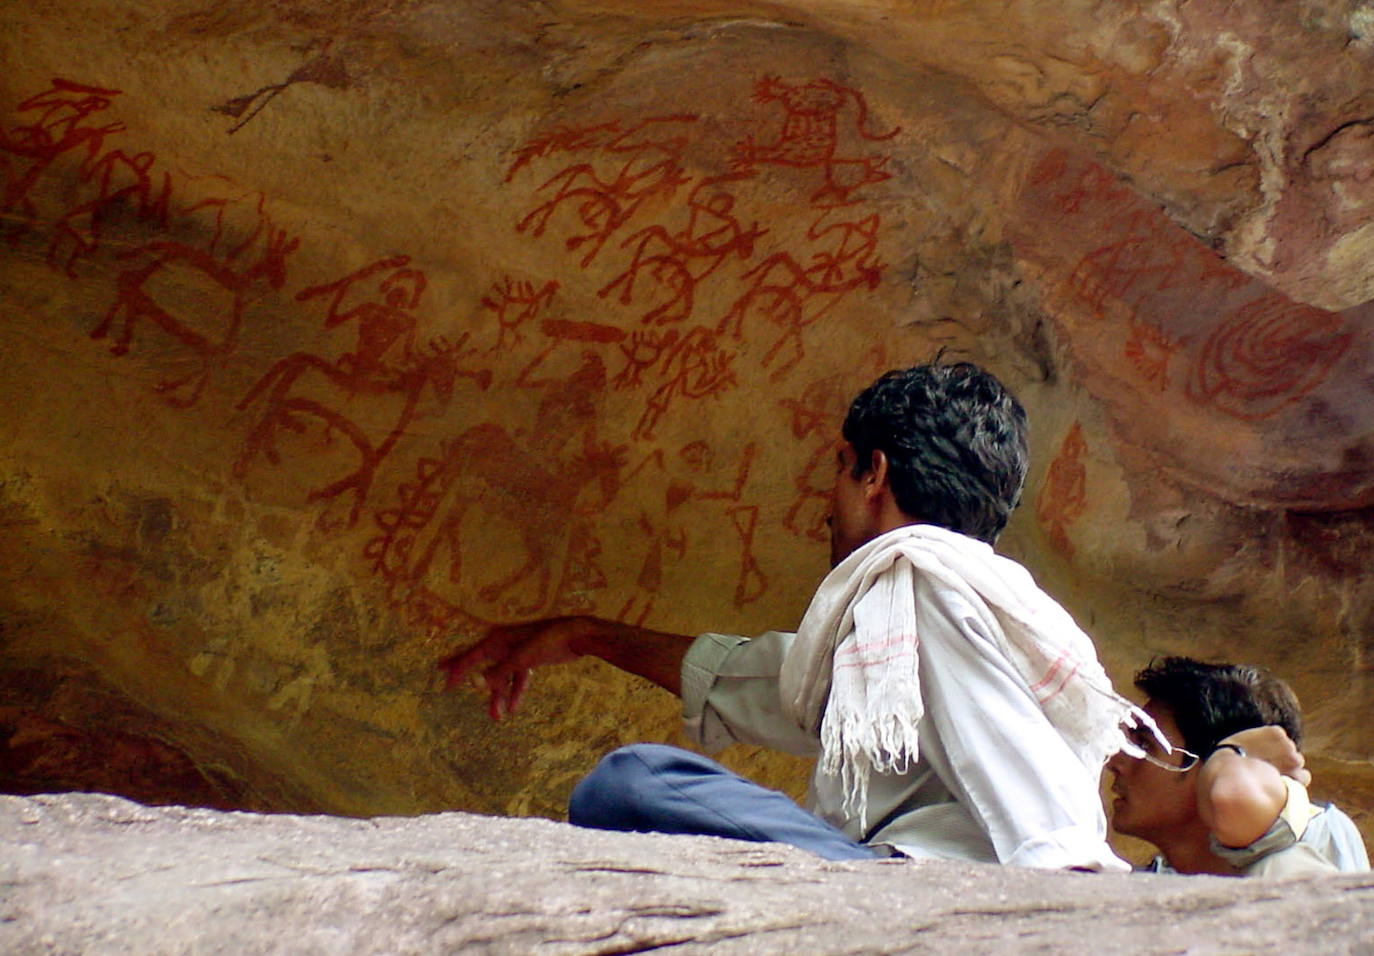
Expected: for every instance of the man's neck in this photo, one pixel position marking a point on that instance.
(1189, 850)
(890, 517)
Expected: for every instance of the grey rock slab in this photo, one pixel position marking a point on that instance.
(89, 873)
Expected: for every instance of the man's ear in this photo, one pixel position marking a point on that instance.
(876, 478)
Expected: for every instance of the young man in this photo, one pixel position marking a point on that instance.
(1231, 797)
(956, 710)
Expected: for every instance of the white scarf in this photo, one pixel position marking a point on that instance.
(853, 672)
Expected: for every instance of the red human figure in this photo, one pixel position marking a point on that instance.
(646, 166)
(563, 139)
(813, 419)
(752, 583)
(693, 367)
(60, 126)
(786, 294)
(1063, 497)
(602, 207)
(665, 534)
(679, 260)
(384, 364)
(515, 303)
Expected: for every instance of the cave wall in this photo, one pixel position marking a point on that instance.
(337, 332)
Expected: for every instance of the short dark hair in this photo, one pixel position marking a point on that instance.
(1210, 702)
(955, 441)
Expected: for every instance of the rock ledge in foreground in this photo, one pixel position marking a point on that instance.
(97, 874)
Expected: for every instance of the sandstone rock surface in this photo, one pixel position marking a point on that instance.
(101, 875)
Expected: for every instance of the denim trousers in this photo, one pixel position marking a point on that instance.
(653, 787)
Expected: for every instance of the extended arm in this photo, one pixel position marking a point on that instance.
(1240, 797)
(504, 658)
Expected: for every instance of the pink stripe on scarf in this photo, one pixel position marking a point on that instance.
(857, 648)
(1049, 674)
(844, 665)
(1062, 685)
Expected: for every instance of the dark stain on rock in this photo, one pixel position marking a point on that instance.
(60, 730)
(1332, 544)
(154, 516)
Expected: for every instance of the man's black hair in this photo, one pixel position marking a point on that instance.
(1210, 702)
(955, 442)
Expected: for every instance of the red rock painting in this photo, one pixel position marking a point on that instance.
(59, 123)
(601, 200)
(206, 329)
(541, 489)
(120, 182)
(677, 261)
(514, 304)
(379, 301)
(789, 296)
(1063, 497)
(811, 137)
(700, 291)
(623, 198)
(1182, 318)
(1267, 355)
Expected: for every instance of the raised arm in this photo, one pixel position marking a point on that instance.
(1240, 795)
(504, 658)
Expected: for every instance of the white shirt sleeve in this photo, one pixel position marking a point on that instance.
(730, 694)
(999, 755)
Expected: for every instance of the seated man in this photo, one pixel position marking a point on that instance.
(1231, 797)
(956, 710)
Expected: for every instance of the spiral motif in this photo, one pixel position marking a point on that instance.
(1266, 355)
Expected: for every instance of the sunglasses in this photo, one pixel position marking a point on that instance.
(1141, 740)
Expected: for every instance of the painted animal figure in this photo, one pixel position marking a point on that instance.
(209, 339)
(810, 137)
(541, 488)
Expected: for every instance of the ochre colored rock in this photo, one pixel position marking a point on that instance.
(336, 332)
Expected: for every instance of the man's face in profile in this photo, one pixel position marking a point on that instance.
(1150, 799)
(849, 515)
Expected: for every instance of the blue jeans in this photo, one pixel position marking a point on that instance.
(652, 787)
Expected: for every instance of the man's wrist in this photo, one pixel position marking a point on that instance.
(1239, 750)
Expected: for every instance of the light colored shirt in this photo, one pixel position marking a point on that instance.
(994, 782)
(1306, 839)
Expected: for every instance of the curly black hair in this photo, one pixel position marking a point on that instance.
(1210, 702)
(955, 441)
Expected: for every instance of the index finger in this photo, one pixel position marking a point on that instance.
(461, 663)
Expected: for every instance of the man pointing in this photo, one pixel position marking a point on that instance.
(955, 710)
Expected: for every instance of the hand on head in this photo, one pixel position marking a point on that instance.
(1272, 745)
